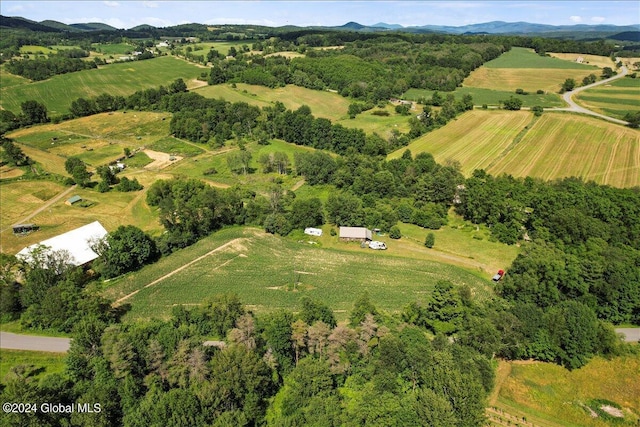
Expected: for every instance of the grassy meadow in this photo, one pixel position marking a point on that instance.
(483, 96)
(555, 146)
(123, 79)
(270, 272)
(548, 395)
(614, 99)
(322, 103)
(42, 363)
(596, 60)
(522, 68)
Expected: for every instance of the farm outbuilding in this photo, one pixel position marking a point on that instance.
(360, 234)
(24, 228)
(77, 243)
(72, 200)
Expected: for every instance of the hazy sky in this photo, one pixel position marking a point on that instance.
(127, 14)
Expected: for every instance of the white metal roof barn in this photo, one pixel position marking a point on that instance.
(76, 242)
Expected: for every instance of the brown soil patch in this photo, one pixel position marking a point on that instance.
(160, 160)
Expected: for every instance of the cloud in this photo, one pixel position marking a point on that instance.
(111, 3)
(598, 19)
(150, 4)
(575, 18)
(17, 8)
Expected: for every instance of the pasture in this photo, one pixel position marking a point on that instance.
(492, 96)
(269, 273)
(555, 146)
(614, 99)
(323, 104)
(596, 60)
(522, 68)
(549, 395)
(475, 139)
(123, 79)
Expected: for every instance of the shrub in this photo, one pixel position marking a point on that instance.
(540, 92)
(430, 240)
(394, 232)
(380, 113)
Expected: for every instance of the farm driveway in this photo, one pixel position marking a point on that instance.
(160, 160)
(568, 97)
(630, 334)
(34, 343)
(43, 207)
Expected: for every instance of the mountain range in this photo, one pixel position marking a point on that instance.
(631, 32)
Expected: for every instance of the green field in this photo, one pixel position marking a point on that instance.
(269, 273)
(40, 363)
(520, 57)
(555, 146)
(548, 395)
(522, 68)
(614, 99)
(123, 79)
(323, 104)
(492, 96)
(112, 48)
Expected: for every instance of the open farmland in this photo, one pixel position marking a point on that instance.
(323, 104)
(97, 139)
(475, 139)
(269, 273)
(522, 68)
(596, 60)
(555, 146)
(614, 99)
(123, 79)
(549, 395)
(562, 145)
(492, 96)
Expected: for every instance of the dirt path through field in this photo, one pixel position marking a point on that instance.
(43, 207)
(211, 252)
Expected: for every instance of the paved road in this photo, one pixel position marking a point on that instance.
(61, 345)
(630, 334)
(34, 342)
(568, 97)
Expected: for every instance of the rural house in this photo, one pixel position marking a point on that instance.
(360, 234)
(77, 243)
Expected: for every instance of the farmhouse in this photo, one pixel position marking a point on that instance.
(24, 228)
(360, 234)
(72, 200)
(77, 243)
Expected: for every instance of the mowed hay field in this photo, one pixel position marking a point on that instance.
(613, 99)
(269, 273)
(596, 60)
(322, 103)
(476, 139)
(562, 145)
(550, 395)
(123, 79)
(522, 68)
(557, 145)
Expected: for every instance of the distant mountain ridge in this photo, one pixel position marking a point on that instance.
(493, 27)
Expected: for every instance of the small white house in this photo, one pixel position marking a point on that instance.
(313, 231)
